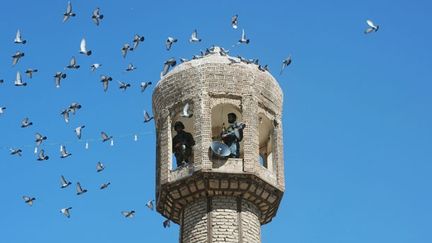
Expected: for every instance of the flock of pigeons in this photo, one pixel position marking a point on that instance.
(97, 18)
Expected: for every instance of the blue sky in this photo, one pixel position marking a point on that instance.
(357, 115)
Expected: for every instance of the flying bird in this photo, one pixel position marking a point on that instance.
(123, 85)
(2, 108)
(166, 223)
(16, 57)
(78, 131)
(126, 47)
(137, 39)
(372, 27)
(128, 214)
(169, 42)
(234, 21)
(73, 64)
(68, 12)
(105, 137)
(79, 189)
(97, 16)
(65, 114)
(149, 205)
(105, 185)
(42, 156)
(26, 123)
(194, 37)
(18, 81)
(130, 67)
(95, 66)
(185, 112)
(18, 38)
(105, 81)
(29, 200)
(65, 211)
(63, 182)
(30, 72)
(285, 63)
(83, 49)
(63, 152)
(147, 117)
(167, 64)
(144, 85)
(58, 77)
(243, 39)
(15, 151)
(99, 167)
(74, 106)
(39, 139)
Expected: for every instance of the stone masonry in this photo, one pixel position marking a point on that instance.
(218, 200)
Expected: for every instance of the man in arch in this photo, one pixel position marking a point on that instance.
(233, 135)
(182, 144)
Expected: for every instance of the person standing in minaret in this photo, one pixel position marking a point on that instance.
(233, 135)
(182, 144)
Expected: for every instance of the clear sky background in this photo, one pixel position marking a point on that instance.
(357, 115)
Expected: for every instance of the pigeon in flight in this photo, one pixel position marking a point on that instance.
(63, 182)
(65, 114)
(29, 200)
(39, 139)
(234, 21)
(68, 12)
(16, 57)
(73, 64)
(285, 63)
(185, 112)
(167, 64)
(42, 156)
(97, 16)
(137, 39)
(105, 81)
(78, 131)
(83, 49)
(130, 67)
(166, 223)
(105, 137)
(2, 108)
(18, 80)
(65, 211)
(243, 39)
(26, 123)
(58, 77)
(147, 117)
(63, 152)
(99, 167)
(19, 39)
(123, 85)
(126, 47)
(95, 66)
(30, 72)
(15, 151)
(169, 42)
(74, 106)
(80, 190)
(149, 205)
(194, 37)
(372, 27)
(128, 214)
(144, 85)
(104, 185)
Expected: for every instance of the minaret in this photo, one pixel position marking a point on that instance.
(215, 198)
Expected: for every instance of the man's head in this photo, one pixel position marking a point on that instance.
(232, 117)
(178, 126)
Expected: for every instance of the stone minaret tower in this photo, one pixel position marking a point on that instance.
(215, 199)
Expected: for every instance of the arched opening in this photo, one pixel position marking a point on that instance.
(265, 137)
(230, 134)
(182, 138)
